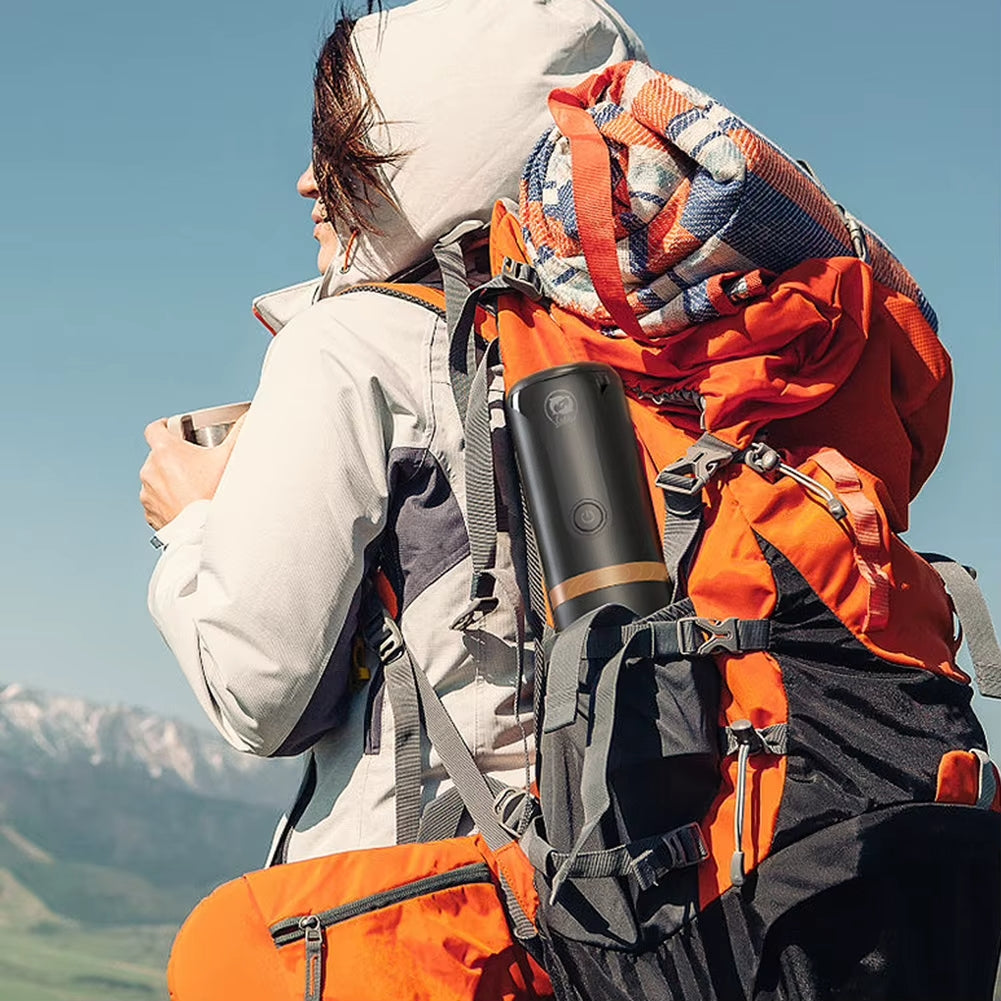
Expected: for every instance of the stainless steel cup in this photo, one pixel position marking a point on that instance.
(207, 427)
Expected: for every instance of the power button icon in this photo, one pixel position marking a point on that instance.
(588, 516)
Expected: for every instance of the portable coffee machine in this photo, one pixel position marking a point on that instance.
(586, 493)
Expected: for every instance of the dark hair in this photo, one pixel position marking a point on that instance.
(347, 167)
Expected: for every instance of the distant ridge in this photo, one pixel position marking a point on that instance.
(111, 814)
(39, 730)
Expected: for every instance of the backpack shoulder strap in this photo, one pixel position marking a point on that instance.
(975, 621)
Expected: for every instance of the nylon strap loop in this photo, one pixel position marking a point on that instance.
(592, 192)
(870, 553)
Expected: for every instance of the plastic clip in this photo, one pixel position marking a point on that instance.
(719, 635)
(523, 278)
(387, 641)
(700, 464)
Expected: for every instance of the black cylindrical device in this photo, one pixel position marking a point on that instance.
(586, 492)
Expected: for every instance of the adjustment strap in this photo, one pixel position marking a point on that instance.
(975, 621)
(647, 861)
(689, 636)
(383, 636)
(682, 483)
(481, 500)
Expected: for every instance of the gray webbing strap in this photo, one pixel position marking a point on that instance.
(594, 795)
(568, 652)
(682, 483)
(473, 788)
(442, 817)
(407, 748)
(455, 284)
(682, 528)
(975, 620)
(647, 861)
(481, 502)
(459, 762)
(462, 339)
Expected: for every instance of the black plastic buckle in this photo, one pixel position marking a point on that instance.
(720, 635)
(523, 278)
(700, 464)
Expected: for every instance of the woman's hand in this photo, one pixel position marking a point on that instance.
(177, 472)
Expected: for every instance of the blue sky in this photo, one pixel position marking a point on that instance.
(149, 156)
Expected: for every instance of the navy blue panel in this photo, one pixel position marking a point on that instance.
(426, 533)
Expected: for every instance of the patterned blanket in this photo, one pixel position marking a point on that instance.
(702, 205)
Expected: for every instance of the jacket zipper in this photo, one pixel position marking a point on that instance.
(311, 927)
(395, 294)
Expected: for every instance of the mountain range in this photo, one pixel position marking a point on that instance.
(112, 815)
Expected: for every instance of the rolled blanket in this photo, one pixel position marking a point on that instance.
(705, 209)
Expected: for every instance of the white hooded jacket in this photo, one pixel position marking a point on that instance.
(352, 456)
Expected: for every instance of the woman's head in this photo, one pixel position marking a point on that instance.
(344, 175)
(425, 113)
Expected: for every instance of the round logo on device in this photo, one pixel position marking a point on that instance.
(561, 407)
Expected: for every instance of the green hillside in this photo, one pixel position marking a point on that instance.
(68, 963)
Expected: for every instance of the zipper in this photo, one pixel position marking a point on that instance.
(396, 294)
(313, 932)
(295, 929)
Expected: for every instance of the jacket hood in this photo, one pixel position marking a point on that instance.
(463, 86)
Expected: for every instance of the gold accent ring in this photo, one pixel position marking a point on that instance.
(620, 573)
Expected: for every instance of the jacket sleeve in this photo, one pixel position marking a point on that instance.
(256, 590)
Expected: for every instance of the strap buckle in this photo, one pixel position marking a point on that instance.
(515, 810)
(697, 467)
(522, 278)
(383, 636)
(718, 636)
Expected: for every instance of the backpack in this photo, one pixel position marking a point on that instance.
(774, 786)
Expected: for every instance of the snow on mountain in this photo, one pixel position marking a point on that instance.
(40, 730)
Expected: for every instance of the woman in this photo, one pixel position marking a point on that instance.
(351, 457)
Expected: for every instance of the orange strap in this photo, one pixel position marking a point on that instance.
(592, 193)
(870, 554)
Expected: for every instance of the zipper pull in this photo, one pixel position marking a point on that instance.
(763, 459)
(313, 931)
(747, 740)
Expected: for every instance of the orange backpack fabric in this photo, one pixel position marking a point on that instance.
(418, 921)
(846, 736)
(853, 387)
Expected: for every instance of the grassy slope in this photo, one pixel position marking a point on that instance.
(54, 963)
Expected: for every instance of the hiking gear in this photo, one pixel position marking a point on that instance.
(842, 711)
(788, 745)
(424, 922)
(589, 501)
(791, 737)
